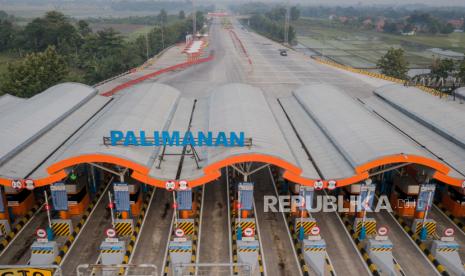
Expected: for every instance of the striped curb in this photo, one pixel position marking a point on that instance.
(422, 246)
(69, 241)
(372, 266)
(22, 221)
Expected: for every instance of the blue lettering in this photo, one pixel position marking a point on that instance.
(143, 140)
(170, 140)
(131, 139)
(237, 141)
(116, 136)
(156, 138)
(205, 140)
(221, 139)
(188, 139)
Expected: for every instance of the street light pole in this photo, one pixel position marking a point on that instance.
(286, 24)
(194, 19)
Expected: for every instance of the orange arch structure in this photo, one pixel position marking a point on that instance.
(292, 172)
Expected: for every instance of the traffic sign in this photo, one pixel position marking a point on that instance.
(331, 184)
(47, 207)
(29, 183)
(111, 205)
(449, 232)
(41, 233)
(170, 185)
(183, 185)
(179, 232)
(318, 185)
(248, 232)
(110, 232)
(382, 231)
(315, 231)
(17, 184)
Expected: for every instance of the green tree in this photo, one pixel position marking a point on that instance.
(461, 71)
(182, 15)
(163, 17)
(294, 13)
(35, 73)
(7, 35)
(442, 67)
(84, 28)
(52, 29)
(394, 64)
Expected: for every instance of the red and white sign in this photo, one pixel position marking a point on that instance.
(110, 232)
(183, 185)
(449, 232)
(41, 233)
(382, 231)
(17, 184)
(248, 232)
(47, 207)
(332, 185)
(170, 185)
(315, 231)
(318, 185)
(29, 183)
(179, 232)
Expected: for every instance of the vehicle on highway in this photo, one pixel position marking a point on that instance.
(283, 52)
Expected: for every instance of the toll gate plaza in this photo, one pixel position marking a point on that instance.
(178, 173)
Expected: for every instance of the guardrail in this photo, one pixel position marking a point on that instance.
(157, 73)
(431, 91)
(134, 69)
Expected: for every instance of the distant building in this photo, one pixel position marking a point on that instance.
(457, 23)
(380, 24)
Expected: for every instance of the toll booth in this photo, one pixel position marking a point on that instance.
(135, 198)
(43, 252)
(314, 250)
(180, 252)
(4, 217)
(447, 253)
(62, 226)
(184, 199)
(380, 252)
(19, 201)
(248, 252)
(78, 196)
(246, 198)
(404, 195)
(350, 194)
(112, 251)
(453, 199)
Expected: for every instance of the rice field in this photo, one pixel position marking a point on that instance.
(363, 48)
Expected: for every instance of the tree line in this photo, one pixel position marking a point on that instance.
(394, 64)
(54, 48)
(271, 23)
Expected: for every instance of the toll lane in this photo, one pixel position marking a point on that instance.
(156, 231)
(278, 249)
(214, 241)
(343, 254)
(407, 254)
(85, 249)
(19, 251)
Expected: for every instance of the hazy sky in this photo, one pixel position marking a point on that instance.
(371, 2)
